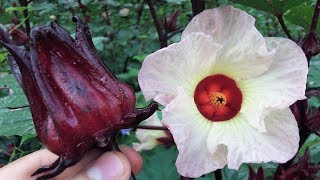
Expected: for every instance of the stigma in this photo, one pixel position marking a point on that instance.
(218, 99)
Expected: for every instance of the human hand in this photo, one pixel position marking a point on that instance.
(95, 165)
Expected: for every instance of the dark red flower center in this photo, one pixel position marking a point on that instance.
(218, 98)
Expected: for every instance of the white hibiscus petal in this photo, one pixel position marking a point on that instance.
(180, 64)
(190, 129)
(246, 144)
(148, 138)
(244, 53)
(280, 86)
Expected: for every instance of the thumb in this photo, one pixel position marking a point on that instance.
(110, 166)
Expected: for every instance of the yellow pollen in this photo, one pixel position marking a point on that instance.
(218, 99)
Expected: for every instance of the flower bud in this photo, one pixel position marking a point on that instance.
(311, 44)
(303, 169)
(171, 21)
(124, 12)
(18, 37)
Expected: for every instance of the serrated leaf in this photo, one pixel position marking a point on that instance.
(302, 16)
(271, 6)
(159, 164)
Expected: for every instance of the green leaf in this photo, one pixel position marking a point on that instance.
(313, 144)
(272, 6)
(16, 122)
(15, 9)
(16, 97)
(44, 6)
(4, 92)
(130, 76)
(176, 1)
(314, 75)
(3, 57)
(140, 57)
(99, 42)
(15, 118)
(302, 16)
(159, 164)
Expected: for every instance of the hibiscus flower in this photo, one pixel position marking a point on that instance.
(151, 138)
(227, 91)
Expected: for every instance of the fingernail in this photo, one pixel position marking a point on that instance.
(108, 166)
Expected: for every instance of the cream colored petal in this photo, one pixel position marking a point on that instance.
(190, 131)
(246, 144)
(244, 53)
(148, 145)
(180, 64)
(280, 86)
(148, 138)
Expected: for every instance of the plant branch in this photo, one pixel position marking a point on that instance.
(105, 15)
(152, 127)
(315, 17)
(197, 6)
(185, 178)
(162, 36)
(139, 12)
(84, 11)
(284, 27)
(279, 16)
(218, 174)
(26, 15)
(174, 33)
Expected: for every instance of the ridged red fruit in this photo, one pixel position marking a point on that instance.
(76, 102)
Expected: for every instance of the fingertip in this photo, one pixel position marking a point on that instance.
(111, 165)
(134, 158)
(73, 171)
(27, 165)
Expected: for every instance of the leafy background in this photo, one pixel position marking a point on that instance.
(123, 41)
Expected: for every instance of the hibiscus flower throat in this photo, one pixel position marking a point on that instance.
(218, 98)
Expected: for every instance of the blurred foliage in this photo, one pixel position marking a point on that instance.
(124, 34)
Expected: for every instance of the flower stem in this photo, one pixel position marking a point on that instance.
(26, 15)
(315, 17)
(152, 127)
(197, 6)
(185, 178)
(279, 16)
(218, 174)
(284, 27)
(161, 35)
(174, 33)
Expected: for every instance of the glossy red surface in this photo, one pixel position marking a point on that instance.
(76, 102)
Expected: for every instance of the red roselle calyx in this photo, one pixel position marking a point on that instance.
(18, 37)
(303, 169)
(76, 102)
(170, 22)
(311, 45)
